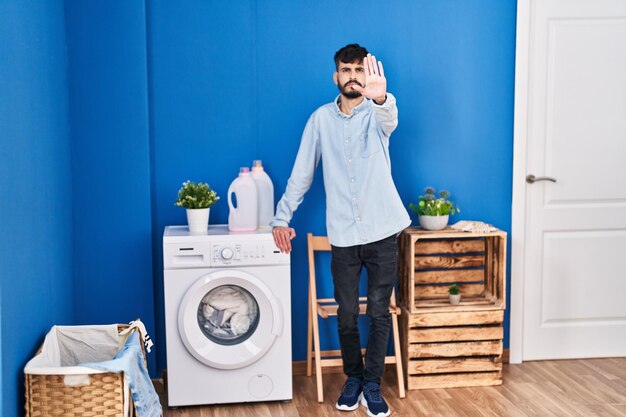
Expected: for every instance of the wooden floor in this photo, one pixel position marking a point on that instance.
(567, 388)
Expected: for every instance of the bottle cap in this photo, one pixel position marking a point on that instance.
(244, 170)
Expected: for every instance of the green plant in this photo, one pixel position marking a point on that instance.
(430, 205)
(453, 290)
(194, 195)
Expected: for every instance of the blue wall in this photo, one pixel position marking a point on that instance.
(1, 371)
(158, 92)
(35, 178)
(233, 82)
(108, 98)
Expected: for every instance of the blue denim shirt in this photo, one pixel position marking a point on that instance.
(362, 203)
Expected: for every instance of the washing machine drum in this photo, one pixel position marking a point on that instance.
(229, 319)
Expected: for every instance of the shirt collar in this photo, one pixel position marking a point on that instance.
(355, 110)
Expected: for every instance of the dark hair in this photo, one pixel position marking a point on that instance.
(350, 54)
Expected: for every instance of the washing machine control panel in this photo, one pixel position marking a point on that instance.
(245, 253)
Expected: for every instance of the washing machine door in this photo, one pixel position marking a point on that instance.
(229, 319)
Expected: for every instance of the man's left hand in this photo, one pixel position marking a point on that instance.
(375, 81)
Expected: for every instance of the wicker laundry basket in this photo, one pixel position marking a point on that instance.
(105, 394)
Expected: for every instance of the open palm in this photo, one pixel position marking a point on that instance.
(375, 81)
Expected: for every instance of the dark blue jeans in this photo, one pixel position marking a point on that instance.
(380, 260)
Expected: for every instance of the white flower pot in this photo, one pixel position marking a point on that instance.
(454, 298)
(198, 220)
(434, 222)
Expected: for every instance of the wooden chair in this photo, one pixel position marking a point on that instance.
(326, 307)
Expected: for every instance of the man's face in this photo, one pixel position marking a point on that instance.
(347, 75)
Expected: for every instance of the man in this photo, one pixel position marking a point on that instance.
(364, 213)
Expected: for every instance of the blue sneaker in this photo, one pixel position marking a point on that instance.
(372, 399)
(350, 395)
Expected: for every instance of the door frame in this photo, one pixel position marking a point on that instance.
(518, 208)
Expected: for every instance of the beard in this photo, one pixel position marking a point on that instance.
(347, 90)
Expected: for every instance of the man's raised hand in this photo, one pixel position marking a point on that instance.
(375, 81)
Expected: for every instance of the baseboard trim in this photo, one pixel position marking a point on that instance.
(505, 356)
(299, 367)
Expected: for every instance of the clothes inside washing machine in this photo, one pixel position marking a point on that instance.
(228, 314)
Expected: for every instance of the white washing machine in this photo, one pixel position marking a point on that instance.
(227, 317)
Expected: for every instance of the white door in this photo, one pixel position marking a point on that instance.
(570, 127)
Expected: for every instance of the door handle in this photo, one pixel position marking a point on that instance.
(532, 179)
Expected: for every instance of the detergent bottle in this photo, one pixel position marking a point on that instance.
(243, 218)
(265, 194)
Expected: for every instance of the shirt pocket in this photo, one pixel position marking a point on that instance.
(369, 144)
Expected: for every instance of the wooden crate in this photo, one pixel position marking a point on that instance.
(446, 345)
(431, 261)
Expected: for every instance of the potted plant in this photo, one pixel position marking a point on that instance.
(433, 212)
(197, 198)
(453, 294)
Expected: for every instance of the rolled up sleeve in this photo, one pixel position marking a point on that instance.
(386, 114)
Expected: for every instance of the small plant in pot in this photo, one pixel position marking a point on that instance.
(453, 294)
(433, 212)
(197, 198)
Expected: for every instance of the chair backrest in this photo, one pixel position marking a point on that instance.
(315, 243)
